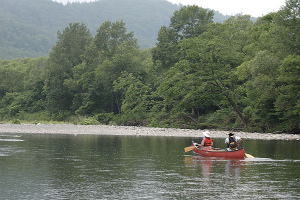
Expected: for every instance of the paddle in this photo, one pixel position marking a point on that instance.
(190, 148)
(249, 156)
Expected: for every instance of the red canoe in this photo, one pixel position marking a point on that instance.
(240, 153)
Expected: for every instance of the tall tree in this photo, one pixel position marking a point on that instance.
(65, 55)
(191, 21)
(288, 101)
(262, 90)
(288, 23)
(110, 36)
(113, 51)
(188, 22)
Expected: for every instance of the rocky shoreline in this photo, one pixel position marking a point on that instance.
(132, 130)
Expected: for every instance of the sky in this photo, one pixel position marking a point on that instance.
(255, 8)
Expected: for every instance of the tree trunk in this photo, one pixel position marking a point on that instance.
(232, 103)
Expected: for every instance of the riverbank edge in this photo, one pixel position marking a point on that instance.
(132, 130)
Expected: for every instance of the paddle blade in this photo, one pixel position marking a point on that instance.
(186, 149)
(249, 156)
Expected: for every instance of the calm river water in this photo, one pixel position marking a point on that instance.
(35, 166)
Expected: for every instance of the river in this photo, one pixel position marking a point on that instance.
(57, 166)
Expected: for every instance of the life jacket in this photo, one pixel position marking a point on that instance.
(208, 141)
(232, 143)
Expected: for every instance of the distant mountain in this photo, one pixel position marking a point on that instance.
(28, 28)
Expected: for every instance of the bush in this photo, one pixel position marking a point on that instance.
(104, 118)
(16, 121)
(61, 116)
(90, 121)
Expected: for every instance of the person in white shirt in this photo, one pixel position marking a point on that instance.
(232, 142)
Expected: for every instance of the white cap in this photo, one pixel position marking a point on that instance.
(206, 133)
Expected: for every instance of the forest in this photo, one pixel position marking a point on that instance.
(29, 28)
(238, 74)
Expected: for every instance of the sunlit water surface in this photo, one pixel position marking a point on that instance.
(35, 166)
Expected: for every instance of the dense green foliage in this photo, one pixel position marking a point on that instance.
(29, 28)
(201, 74)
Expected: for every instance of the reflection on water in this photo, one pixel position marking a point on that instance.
(5, 149)
(130, 167)
(249, 177)
(232, 168)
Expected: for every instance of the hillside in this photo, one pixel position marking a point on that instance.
(29, 28)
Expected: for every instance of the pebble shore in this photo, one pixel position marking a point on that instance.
(132, 130)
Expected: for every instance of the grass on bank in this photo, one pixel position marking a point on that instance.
(133, 119)
(44, 118)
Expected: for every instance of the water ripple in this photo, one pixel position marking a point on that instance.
(11, 140)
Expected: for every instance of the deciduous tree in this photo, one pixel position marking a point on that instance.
(65, 55)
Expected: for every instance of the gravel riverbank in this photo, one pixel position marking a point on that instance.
(131, 130)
